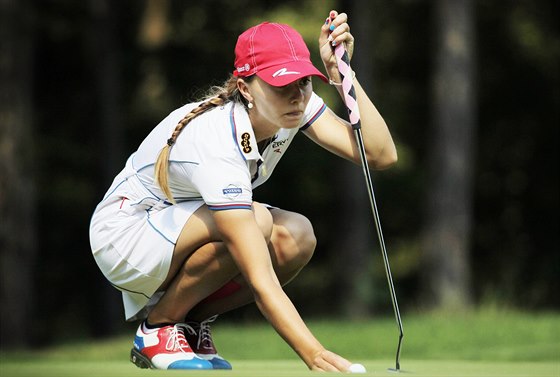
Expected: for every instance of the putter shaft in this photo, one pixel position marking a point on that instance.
(369, 183)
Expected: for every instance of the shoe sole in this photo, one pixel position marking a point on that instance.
(140, 360)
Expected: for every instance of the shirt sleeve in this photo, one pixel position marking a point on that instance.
(315, 107)
(224, 183)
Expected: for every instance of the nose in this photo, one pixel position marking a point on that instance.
(296, 93)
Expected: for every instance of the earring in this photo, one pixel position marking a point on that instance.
(250, 105)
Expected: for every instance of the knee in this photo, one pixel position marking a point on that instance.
(264, 220)
(294, 242)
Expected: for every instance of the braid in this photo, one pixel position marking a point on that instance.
(200, 109)
(218, 96)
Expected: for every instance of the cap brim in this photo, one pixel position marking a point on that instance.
(284, 74)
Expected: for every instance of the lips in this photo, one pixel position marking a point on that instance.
(295, 113)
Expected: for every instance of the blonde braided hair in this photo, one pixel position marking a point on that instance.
(217, 96)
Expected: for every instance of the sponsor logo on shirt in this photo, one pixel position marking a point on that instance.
(245, 143)
(276, 144)
(232, 191)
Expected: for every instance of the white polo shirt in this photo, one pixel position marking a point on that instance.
(216, 158)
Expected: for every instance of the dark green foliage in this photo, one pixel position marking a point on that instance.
(515, 258)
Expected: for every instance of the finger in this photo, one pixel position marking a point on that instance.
(337, 20)
(328, 367)
(341, 34)
(320, 365)
(336, 361)
(315, 368)
(337, 26)
(329, 22)
(323, 362)
(325, 32)
(325, 29)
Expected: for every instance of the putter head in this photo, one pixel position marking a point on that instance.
(395, 370)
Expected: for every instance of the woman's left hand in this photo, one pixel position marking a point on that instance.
(335, 31)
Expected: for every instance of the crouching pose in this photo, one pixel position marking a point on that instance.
(178, 231)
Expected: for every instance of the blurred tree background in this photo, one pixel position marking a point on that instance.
(469, 88)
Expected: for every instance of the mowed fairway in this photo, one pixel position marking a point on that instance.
(488, 343)
(288, 368)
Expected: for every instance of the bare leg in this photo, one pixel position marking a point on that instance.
(200, 265)
(291, 247)
(292, 243)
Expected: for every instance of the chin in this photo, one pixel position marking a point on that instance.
(291, 122)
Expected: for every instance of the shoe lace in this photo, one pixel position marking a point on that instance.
(204, 333)
(176, 340)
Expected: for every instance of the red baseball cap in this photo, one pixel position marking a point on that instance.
(274, 52)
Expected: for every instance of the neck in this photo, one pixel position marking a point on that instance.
(262, 128)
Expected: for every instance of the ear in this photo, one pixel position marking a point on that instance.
(244, 89)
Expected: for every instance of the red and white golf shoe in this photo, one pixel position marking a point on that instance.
(165, 348)
(199, 336)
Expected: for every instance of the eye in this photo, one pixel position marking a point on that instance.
(305, 81)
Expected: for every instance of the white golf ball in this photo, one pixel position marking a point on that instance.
(357, 368)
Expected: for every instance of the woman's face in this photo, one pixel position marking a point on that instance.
(279, 107)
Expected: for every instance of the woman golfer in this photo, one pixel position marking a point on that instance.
(178, 231)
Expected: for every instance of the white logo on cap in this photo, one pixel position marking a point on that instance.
(244, 68)
(283, 72)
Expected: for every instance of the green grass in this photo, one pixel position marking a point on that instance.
(286, 368)
(483, 343)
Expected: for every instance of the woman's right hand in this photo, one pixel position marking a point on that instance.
(340, 34)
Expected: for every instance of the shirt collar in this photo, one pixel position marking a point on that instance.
(243, 133)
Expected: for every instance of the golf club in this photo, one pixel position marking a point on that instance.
(345, 70)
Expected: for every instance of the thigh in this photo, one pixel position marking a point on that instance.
(200, 229)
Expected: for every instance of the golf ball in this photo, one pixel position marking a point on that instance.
(357, 368)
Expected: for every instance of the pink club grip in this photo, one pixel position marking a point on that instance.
(345, 70)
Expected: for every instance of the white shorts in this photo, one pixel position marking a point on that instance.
(133, 242)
